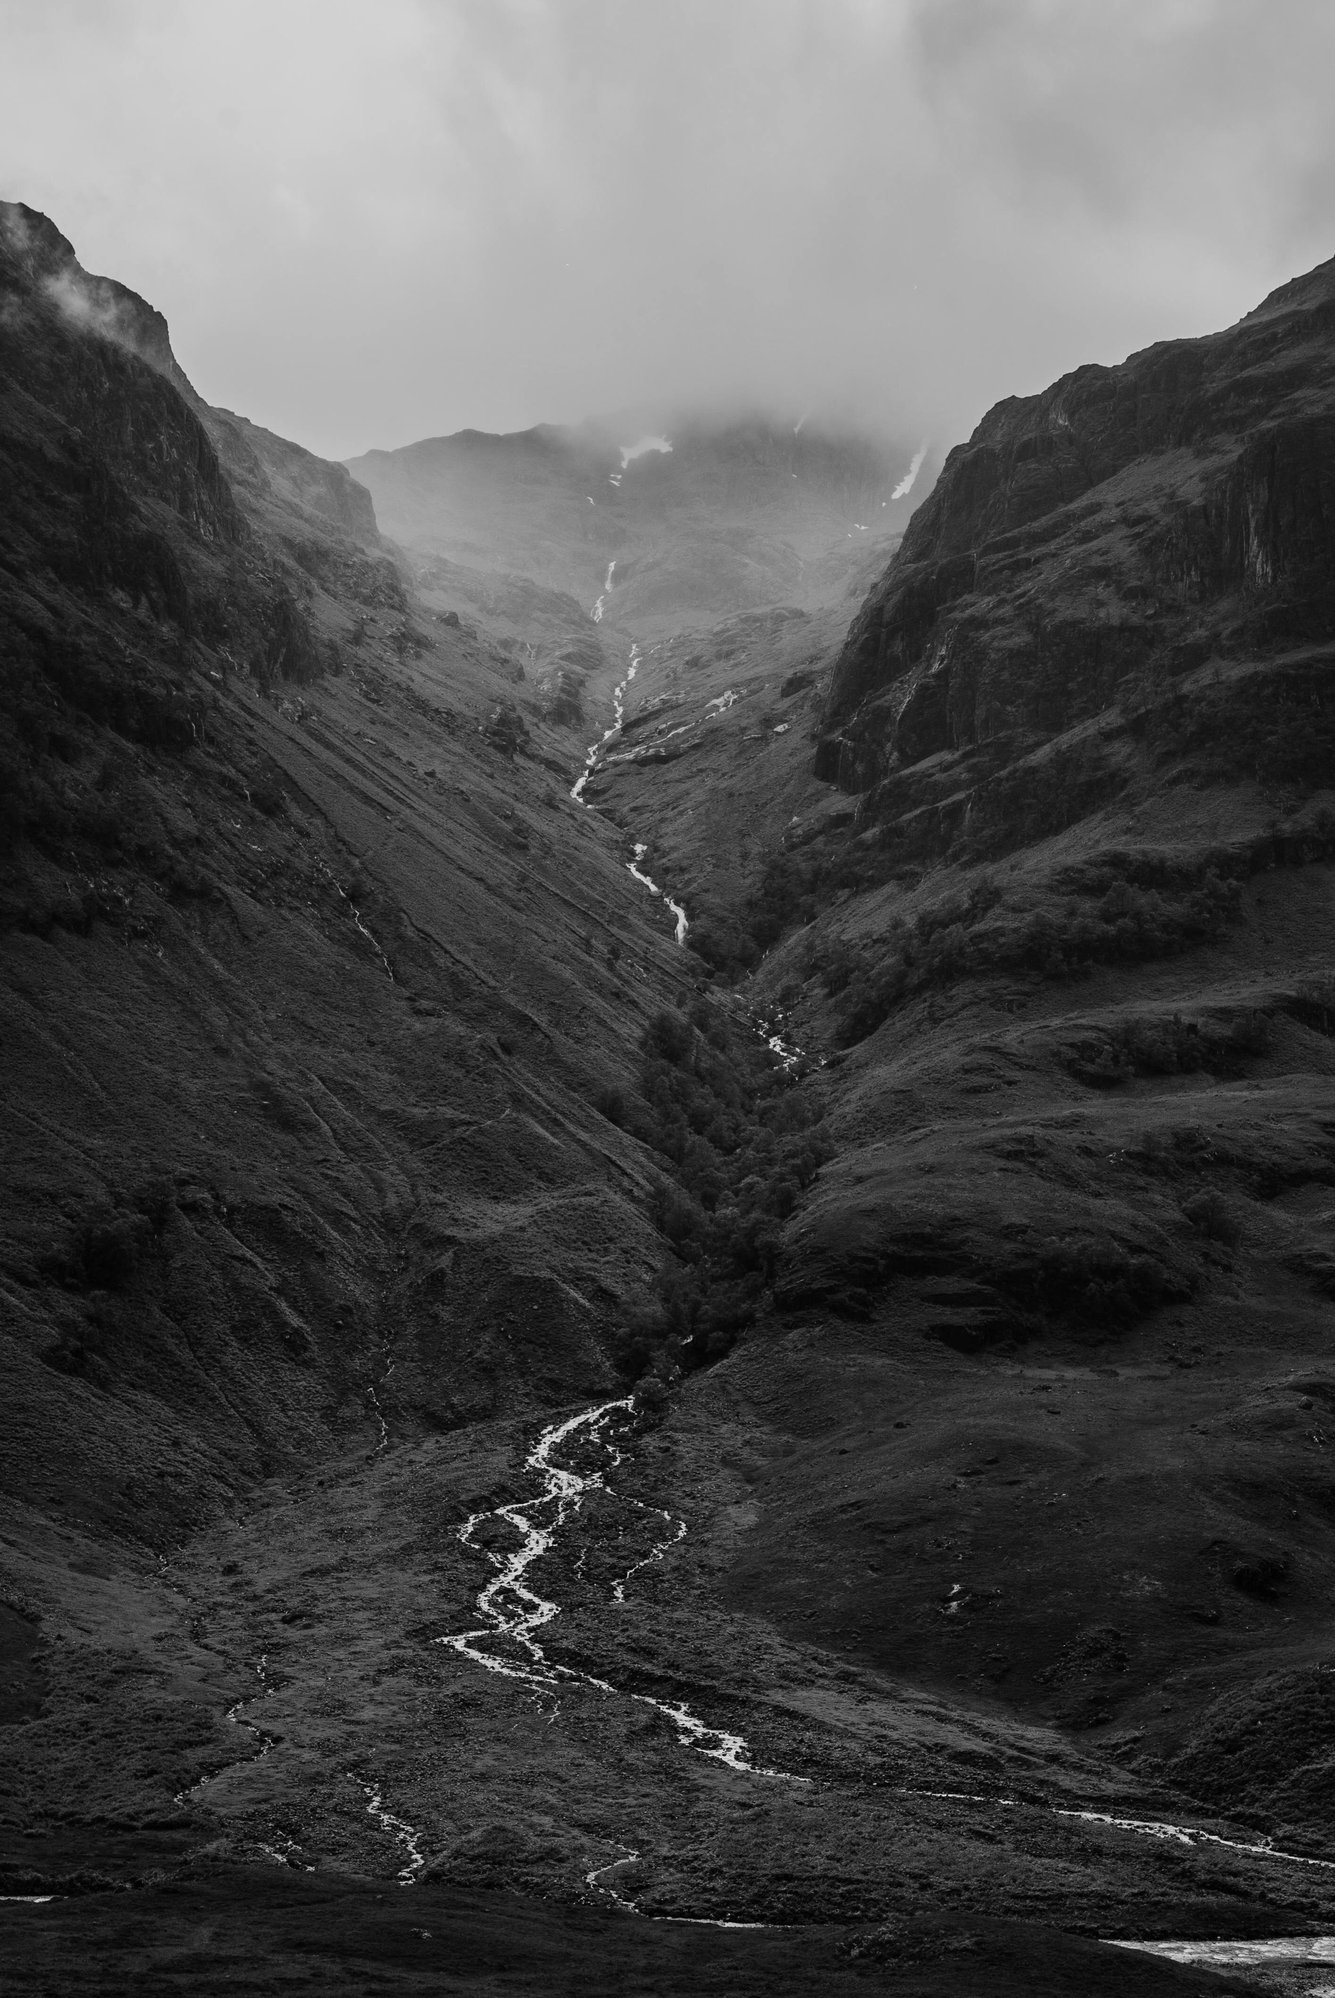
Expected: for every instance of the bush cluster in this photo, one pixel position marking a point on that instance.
(1212, 1216)
(1094, 1280)
(1278, 727)
(740, 1143)
(1173, 1045)
(1115, 920)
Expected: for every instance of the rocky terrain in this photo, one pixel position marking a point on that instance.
(549, 1444)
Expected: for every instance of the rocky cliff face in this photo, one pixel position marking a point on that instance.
(1095, 542)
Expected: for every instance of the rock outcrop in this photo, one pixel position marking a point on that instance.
(1092, 543)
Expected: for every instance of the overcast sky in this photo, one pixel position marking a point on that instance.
(375, 220)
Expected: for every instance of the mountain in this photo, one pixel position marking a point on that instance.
(1046, 877)
(700, 517)
(540, 1430)
(1130, 525)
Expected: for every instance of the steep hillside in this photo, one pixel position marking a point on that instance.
(1100, 541)
(1037, 864)
(508, 1482)
(1072, 966)
(310, 976)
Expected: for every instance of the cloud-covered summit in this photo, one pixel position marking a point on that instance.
(375, 224)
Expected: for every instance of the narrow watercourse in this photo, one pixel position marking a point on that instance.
(513, 1610)
(265, 1742)
(618, 716)
(601, 604)
(595, 750)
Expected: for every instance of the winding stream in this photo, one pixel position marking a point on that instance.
(601, 604)
(641, 848)
(374, 942)
(618, 716)
(408, 1840)
(266, 1742)
(595, 750)
(1155, 1828)
(513, 1610)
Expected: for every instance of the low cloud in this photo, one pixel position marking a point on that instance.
(907, 483)
(78, 302)
(644, 445)
(373, 224)
(87, 303)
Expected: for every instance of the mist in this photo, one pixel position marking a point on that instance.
(368, 224)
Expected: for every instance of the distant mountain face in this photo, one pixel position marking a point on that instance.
(701, 519)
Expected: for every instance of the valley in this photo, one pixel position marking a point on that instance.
(666, 1219)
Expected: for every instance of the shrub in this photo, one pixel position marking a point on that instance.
(742, 1143)
(1210, 1214)
(1259, 1574)
(668, 1036)
(111, 1251)
(961, 936)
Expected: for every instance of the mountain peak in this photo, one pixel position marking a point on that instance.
(1307, 293)
(34, 255)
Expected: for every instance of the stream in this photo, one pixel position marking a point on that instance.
(513, 1610)
(595, 750)
(1155, 1828)
(265, 1742)
(618, 716)
(601, 604)
(634, 867)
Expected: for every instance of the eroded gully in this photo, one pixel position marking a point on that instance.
(789, 1054)
(596, 749)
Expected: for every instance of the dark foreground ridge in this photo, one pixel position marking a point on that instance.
(540, 1456)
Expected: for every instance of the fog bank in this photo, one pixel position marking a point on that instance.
(369, 224)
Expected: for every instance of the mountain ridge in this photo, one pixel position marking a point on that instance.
(1223, 519)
